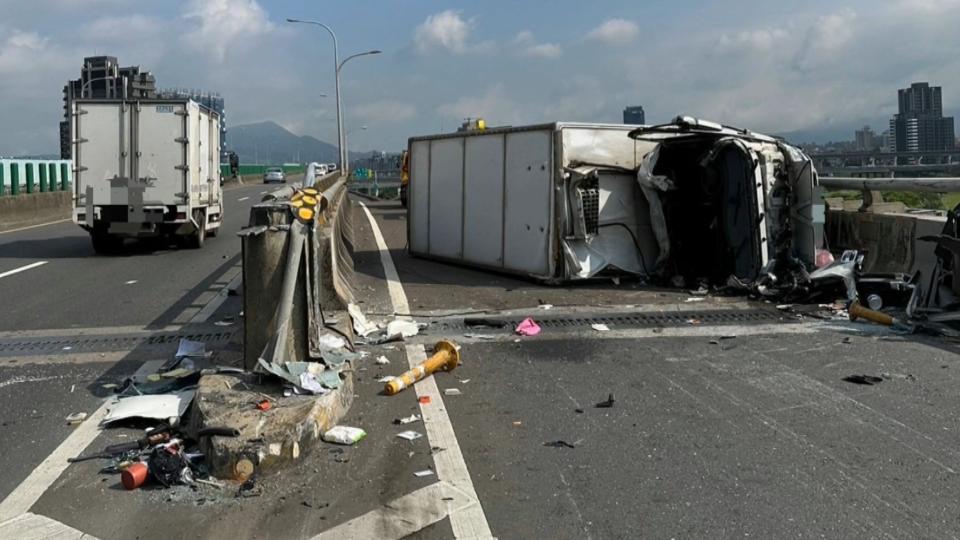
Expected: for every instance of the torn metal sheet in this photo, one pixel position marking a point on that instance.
(194, 349)
(154, 407)
(361, 325)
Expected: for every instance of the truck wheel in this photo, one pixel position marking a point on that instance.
(106, 244)
(195, 240)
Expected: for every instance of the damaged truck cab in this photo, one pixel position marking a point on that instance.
(681, 203)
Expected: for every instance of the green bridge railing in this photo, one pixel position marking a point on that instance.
(21, 176)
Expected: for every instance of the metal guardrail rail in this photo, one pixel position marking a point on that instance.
(930, 185)
(296, 233)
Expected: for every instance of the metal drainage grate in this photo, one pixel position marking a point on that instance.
(642, 320)
(75, 344)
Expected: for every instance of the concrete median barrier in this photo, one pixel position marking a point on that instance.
(297, 274)
(34, 208)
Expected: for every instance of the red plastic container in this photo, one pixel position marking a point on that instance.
(134, 476)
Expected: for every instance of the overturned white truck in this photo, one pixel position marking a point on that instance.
(682, 203)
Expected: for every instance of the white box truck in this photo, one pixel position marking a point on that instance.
(678, 203)
(147, 168)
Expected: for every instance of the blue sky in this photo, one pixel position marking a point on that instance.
(814, 67)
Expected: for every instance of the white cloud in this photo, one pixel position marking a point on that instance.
(531, 49)
(384, 111)
(615, 32)
(223, 24)
(543, 50)
(446, 30)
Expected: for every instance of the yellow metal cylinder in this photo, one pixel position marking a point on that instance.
(857, 311)
(446, 356)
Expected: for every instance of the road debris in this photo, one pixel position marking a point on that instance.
(158, 407)
(361, 325)
(452, 392)
(599, 327)
(527, 327)
(409, 435)
(345, 435)
(606, 404)
(545, 306)
(330, 342)
(559, 444)
(402, 328)
(264, 405)
(480, 336)
(76, 418)
(446, 356)
(425, 472)
(857, 311)
(424, 400)
(382, 360)
(866, 380)
(407, 419)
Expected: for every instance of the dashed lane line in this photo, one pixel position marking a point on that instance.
(23, 269)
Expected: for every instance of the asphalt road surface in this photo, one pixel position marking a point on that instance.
(728, 419)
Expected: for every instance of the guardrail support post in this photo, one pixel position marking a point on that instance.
(44, 186)
(29, 170)
(14, 179)
(64, 177)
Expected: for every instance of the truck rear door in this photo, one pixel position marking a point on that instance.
(162, 143)
(101, 149)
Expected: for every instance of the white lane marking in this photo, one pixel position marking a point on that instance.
(31, 525)
(401, 517)
(21, 499)
(397, 297)
(468, 521)
(242, 199)
(36, 226)
(213, 305)
(22, 379)
(22, 269)
(30, 490)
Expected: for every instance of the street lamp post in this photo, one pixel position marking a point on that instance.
(346, 151)
(337, 64)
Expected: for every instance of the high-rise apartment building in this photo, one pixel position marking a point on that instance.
(919, 124)
(634, 115)
(102, 77)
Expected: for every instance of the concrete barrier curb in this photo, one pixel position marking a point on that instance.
(268, 439)
(34, 208)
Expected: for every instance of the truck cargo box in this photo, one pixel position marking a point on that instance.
(146, 168)
(569, 201)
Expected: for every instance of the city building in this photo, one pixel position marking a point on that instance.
(865, 139)
(919, 124)
(634, 115)
(210, 100)
(102, 77)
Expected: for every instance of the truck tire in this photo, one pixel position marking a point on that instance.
(195, 240)
(105, 243)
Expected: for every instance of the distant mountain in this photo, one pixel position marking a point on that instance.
(269, 143)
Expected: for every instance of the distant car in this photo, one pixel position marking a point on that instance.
(320, 169)
(331, 166)
(274, 174)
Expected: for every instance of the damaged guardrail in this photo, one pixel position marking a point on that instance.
(290, 263)
(930, 294)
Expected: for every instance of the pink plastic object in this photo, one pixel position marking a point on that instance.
(528, 327)
(824, 258)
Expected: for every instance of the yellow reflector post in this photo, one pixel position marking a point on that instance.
(305, 214)
(309, 201)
